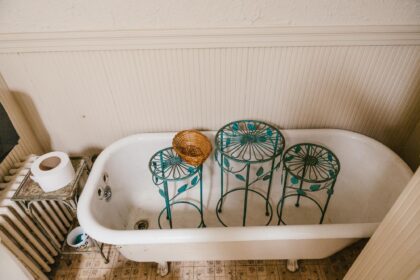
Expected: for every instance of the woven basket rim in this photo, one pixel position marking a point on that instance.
(193, 160)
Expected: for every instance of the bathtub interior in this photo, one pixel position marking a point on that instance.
(370, 180)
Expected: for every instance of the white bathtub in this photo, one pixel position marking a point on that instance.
(370, 180)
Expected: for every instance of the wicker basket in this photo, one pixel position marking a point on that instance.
(192, 146)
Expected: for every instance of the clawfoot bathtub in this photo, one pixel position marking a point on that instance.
(370, 180)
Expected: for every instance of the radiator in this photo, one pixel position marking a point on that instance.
(18, 231)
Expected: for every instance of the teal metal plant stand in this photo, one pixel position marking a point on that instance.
(241, 145)
(308, 168)
(168, 168)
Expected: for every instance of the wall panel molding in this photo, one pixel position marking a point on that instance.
(211, 38)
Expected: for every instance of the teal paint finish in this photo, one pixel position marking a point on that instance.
(311, 168)
(241, 145)
(168, 168)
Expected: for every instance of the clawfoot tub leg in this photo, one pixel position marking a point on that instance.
(162, 268)
(292, 265)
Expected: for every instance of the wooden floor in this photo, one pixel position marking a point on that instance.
(93, 267)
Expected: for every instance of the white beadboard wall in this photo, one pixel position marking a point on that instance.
(393, 252)
(83, 92)
(28, 143)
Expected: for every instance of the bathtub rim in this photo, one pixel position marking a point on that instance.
(217, 234)
(233, 234)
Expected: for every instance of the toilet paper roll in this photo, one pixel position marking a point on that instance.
(52, 171)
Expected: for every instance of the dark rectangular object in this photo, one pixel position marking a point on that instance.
(8, 135)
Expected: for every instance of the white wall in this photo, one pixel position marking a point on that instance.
(70, 15)
(355, 67)
(393, 250)
(77, 100)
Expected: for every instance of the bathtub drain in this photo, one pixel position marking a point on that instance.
(142, 225)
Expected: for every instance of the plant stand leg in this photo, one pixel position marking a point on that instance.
(269, 188)
(168, 205)
(101, 250)
(271, 177)
(246, 195)
(200, 172)
(282, 199)
(300, 187)
(221, 183)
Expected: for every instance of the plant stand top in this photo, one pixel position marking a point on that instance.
(166, 165)
(249, 141)
(311, 163)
